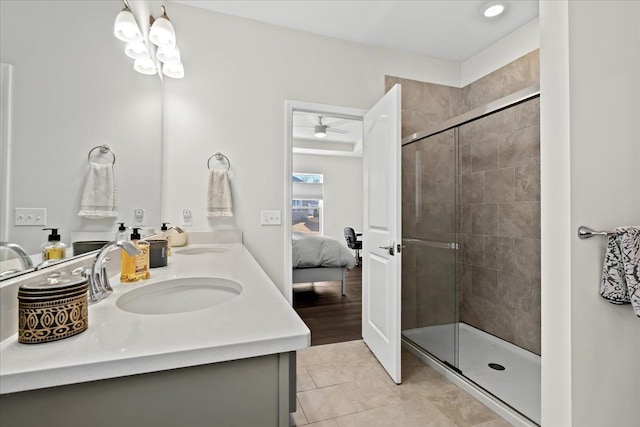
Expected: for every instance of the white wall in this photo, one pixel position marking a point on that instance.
(74, 89)
(238, 75)
(342, 190)
(595, 140)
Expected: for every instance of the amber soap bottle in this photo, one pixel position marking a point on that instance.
(135, 267)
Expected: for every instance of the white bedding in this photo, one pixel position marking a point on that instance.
(311, 250)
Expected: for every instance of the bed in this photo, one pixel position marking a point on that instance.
(320, 259)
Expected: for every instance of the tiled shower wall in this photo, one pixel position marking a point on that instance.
(498, 208)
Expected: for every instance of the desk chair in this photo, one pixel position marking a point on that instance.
(353, 242)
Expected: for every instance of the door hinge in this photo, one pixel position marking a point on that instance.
(399, 248)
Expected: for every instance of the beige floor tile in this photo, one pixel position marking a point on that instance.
(325, 403)
(307, 356)
(303, 379)
(495, 423)
(327, 423)
(411, 413)
(327, 374)
(298, 418)
(420, 382)
(369, 393)
(349, 351)
(462, 408)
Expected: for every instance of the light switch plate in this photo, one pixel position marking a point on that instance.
(270, 218)
(30, 217)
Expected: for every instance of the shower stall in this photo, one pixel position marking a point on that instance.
(471, 237)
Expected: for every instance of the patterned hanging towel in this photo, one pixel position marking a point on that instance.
(621, 272)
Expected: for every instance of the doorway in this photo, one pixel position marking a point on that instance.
(325, 196)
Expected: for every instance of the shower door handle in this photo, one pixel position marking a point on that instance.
(390, 248)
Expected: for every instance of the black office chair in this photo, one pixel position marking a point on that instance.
(353, 242)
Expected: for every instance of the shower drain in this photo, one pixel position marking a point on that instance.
(496, 366)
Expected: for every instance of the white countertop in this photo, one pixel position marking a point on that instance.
(117, 343)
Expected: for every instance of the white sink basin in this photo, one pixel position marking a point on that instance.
(198, 251)
(179, 295)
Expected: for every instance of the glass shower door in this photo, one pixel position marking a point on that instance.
(429, 292)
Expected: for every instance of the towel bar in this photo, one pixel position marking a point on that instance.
(587, 233)
(219, 156)
(103, 149)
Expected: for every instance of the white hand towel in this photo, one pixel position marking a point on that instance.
(621, 271)
(99, 194)
(219, 204)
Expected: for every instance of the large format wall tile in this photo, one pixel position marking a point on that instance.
(494, 207)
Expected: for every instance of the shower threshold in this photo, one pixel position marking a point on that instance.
(518, 384)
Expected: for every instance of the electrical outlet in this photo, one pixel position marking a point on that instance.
(270, 218)
(30, 216)
(138, 216)
(187, 217)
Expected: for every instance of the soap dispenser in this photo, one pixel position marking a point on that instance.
(163, 232)
(135, 267)
(53, 248)
(121, 234)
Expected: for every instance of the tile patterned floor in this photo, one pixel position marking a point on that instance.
(343, 385)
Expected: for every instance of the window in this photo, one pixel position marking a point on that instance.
(306, 205)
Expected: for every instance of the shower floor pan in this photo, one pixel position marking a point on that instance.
(518, 384)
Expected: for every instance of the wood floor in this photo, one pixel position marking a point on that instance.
(330, 316)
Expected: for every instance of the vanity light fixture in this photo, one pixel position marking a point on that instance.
(136, 50)
(149, 59)
(320, 131)
(175, 70)
(145, 65)
(493, 9)
(162, 33)
(126, 28)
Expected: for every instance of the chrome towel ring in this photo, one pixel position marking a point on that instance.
(219, 156)
(103, 149)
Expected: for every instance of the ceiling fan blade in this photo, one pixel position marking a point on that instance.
(314, 119)
(339, 122)
(337, 130)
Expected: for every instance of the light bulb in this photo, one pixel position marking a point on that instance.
(145, 66)
(173, 70)
(136, 50)
(168, 55)
(126, 28)
(162, 33)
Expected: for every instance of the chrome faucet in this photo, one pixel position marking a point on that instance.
(99, 287)
(25, 260)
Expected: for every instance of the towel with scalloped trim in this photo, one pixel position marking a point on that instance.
(621, 271)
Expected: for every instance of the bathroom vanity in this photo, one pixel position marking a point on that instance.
(143, 361)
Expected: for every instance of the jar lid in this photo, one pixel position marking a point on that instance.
(54, 282)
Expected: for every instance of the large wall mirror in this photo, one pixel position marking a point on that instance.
(72, 88)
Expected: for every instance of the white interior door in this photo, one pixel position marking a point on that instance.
(382, 232)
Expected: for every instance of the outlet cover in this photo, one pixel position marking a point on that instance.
(138, 216)
(187, 217)
(30, 217)
(270, 218)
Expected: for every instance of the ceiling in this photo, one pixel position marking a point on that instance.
(453, 30)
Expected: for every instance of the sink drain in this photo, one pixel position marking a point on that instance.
(496, 366)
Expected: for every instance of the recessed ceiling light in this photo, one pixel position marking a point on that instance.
(493, 9)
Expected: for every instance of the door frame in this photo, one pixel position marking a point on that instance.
(291, 106)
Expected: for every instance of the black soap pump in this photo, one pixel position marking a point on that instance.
(53, 248)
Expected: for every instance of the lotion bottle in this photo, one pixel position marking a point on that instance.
(135, 267)
(53, 248)
(163, 232)
(122, 232)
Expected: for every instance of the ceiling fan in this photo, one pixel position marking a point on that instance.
(320, 128)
